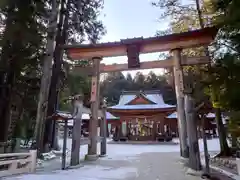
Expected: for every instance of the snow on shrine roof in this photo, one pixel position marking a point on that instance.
(209, 115)
(172, 116)
(87, 117)
(69, 115)
(154, 96)
(110, 116)
(212, 115)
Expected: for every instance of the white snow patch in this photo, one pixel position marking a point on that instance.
(172, 116)
(128, 151)
(114, 152)
(84, 173)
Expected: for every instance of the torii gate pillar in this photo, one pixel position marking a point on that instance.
(93, 124)
(179, 89)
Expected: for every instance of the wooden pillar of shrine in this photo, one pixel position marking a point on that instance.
(154, 131)
(93, 124)
(120, 130)
(179, 87)
(103, 131)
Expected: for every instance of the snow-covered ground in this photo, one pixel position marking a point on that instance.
(116, 150)
(126, 162)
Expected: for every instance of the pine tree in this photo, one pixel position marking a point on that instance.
(78, 22)
(21, 43)
(191, 16)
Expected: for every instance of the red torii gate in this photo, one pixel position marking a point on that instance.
(132, 48)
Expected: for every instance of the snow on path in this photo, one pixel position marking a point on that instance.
(85, 173)
(116, 150)
(122, 162)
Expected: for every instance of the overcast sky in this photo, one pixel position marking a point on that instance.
(128, 19)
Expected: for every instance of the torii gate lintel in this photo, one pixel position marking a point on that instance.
(196, 38)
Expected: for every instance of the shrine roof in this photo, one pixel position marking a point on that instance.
(172, 116)
(153, 96)
(209, 115)
(109, 116)
(212, 116)
(85, 116)
(68, 115)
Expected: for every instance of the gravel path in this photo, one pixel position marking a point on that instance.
(160, 166)
(145, 166)
(152, 166)
(124, 162)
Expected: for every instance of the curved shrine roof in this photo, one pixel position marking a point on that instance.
(209, 115)
(153, 96)
(172, 116)
(85, 116)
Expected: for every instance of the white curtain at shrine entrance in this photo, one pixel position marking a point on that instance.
(124, 128)
(109, 128)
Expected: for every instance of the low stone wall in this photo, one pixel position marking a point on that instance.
(18, 163)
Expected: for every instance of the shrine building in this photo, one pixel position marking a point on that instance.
(142, 116)
(209, 121)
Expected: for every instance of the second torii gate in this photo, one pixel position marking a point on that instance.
(132, 48)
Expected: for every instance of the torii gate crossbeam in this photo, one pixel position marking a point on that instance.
(167, 63)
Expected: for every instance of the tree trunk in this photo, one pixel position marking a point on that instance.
(222, 133)
(14, 131)
(7, 81)
(194, 154)
(77, 132)
(5, 107)
(50, 130)
(205, 146)
(234, 141)
(199, 12)
(225, 150)
(52, 98)
(46, 79)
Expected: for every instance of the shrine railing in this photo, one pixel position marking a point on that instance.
(17, 163)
